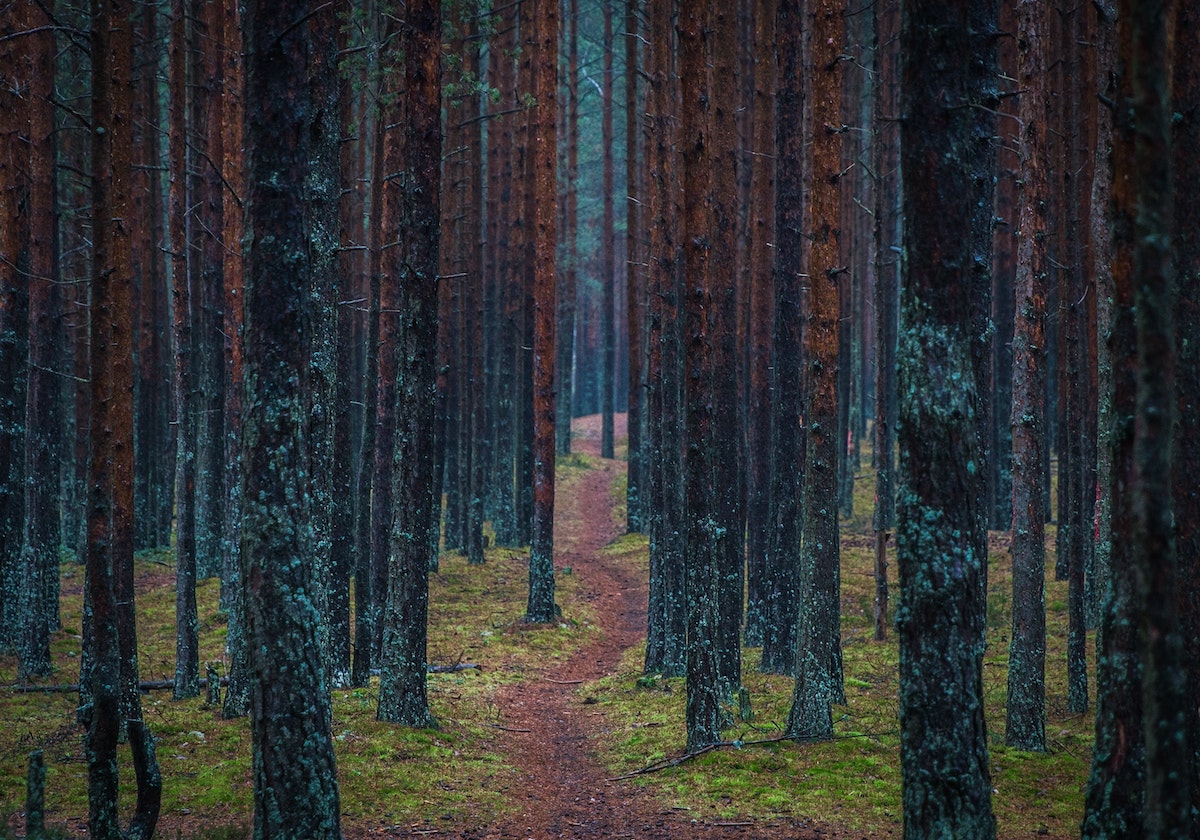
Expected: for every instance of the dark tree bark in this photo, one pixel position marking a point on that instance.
(725, 347)
(15, 73)
(351, 216)
(1026, 711)
(237, 696)
(366, 616)
(888, 238)
(508, 266)
(787, 434)
(666, 625)
(635, 273)
(1145, 35)
(1114, 801)
(565, 370)
(113, 671)
(291, 144)
(387, 353)
(819, 649)
(761, 320)
(39, 561)
(1186, 457)
(153, 491)
(1004, 255)
(701, 546)
(543, 122)
(940, 617)
(184, 297)
(402, 695)
(608, 273)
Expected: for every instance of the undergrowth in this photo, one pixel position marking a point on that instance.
(434, 780)
(853, 780)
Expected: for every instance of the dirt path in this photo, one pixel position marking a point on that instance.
(564, 791)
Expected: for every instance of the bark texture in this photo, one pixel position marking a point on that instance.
(291, 141)
(940, 616)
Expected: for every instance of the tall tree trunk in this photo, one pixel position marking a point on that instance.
(725, 344)
(387, 353)
(1149, 32)
(940, 617)
(402, 694)
(567, 290)
(291, 141)
(15, 73)
(608, 275)
(666, 620)
(787, 435)
(184, 299)
(701, 544)
(1025, 725)
(113, 675)
(888, 239)
(635, 274)
(39, 563)
(761, 320)
(541, 606)
(1186, 457)
(237, 696)
(819, 652)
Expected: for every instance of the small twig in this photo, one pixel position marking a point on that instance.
(666, 763)
(562, 682)
(507, 728)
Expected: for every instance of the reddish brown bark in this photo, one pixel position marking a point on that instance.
(762, 313)
(819, 660)
(113, 676)
(541, 606)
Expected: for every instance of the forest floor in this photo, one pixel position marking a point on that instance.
(548, 729)
(565, 792)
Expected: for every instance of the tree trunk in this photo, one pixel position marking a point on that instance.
(1148, 38)
(818, 652)
(15, 74)
(1025, 725)
(187, 658)
(636, 273)
(888, 239)
(1186, 457)
(666, 623)
(402, 694)
(564, 372)
(761, 320)
(541, 606)
(787, 433)
(940, 618)
(39, 572)
(608, 274)
(291, 142)
(725, 343)
(701, 523)
(113, 675)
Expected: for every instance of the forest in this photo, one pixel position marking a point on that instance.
(595, 418)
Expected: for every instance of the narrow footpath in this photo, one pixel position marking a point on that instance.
(564, 790)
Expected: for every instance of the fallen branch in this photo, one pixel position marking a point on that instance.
(507, 728)
(563, 682)
(666, 763)
(73, 688)
(455, 668)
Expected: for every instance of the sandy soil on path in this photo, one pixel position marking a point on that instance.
(565, 792)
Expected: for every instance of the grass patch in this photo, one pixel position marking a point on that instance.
(853, 780)
(388, 775)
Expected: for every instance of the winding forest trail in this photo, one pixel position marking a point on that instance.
(564, 790)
